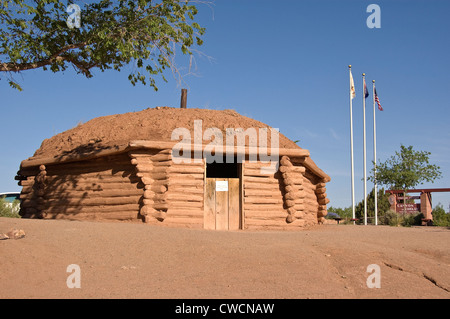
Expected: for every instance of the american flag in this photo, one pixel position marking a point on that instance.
(377, 100)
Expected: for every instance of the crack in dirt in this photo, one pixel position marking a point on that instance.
(423, 275)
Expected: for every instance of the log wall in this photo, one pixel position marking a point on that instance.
(173, 191)
(106, 188)
(291, 197)
(148, 185)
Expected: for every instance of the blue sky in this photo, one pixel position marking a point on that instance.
(284, 63)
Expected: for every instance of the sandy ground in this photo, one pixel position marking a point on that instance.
(129, 260)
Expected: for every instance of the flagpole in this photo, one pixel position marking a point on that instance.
(364, 136)
(375, 154)
(351, 144)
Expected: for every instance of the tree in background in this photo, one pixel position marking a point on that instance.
(440, 217)
(382, 204)
(406, 169)
(108, 35)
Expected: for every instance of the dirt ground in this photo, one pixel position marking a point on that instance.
(130, 260)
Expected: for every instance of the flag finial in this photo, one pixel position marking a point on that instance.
(364, 74)
(373, 81)
(349, 66)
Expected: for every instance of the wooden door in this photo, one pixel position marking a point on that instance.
(222, 204)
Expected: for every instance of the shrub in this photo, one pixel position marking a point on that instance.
(392, 218)
(8, 209)
(440, 217)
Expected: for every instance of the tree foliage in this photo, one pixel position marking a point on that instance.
(382, 204)
(406, 169)
(35, 34)
(440, 217)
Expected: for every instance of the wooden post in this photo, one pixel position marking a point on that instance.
(183, 98)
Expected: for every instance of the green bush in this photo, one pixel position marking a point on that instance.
(440, 217)
(8, 209)
(392, 218)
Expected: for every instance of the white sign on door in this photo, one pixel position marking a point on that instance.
(221, 186)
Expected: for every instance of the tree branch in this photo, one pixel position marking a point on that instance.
(17, 67)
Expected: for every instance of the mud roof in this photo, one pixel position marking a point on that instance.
(117, 133)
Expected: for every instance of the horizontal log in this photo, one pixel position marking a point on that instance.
(36, 161)
(263, 207)
(252, 185)
(97, 201)
(186, 197)
(144, 152)
(95, 187)
(150, 164)
(184, 204)
(76, 170)
(174, 176)
(122, 215)
(152, 169)
(71, 179)
(152, 157)
(93, 210)
(263, 200)
(112, 160)
(254, 165)
(263, 192)
(323, 201)
(257, 172)
(192, 163)
(294, 152)
(190, 213)
(187, 170)
(86, 194)
(150, 181)
(272, 218)
(260, 180)
(195, 182)
(104, 174)
(186, 191)
(154, 176)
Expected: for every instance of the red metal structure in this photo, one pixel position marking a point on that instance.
(424, 207)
